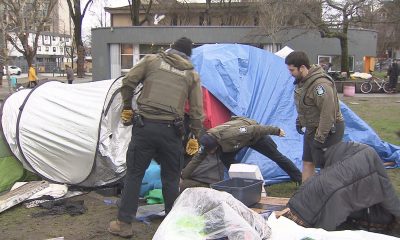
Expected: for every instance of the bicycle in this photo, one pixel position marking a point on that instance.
(366, 87)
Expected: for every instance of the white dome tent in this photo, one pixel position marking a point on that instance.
(69, 133)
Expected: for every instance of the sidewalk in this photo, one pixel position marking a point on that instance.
(23, 79)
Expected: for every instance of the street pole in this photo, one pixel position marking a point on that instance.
(72, 43)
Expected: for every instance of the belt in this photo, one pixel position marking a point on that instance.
(159, 121)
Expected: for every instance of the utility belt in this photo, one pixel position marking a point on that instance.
(178, 123)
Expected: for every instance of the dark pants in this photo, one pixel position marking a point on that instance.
(267, 147)
(315, 154)
(70, 81)
(393, 83)
(153, 140)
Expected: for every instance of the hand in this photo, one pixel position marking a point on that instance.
(317, 144)
(192, 146)
(126, 117)
(299, 128)
(281, 133)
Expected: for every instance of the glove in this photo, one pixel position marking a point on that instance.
(317, 144)
(126, 117)
(192, 146)
(282, 133)
(299, 127)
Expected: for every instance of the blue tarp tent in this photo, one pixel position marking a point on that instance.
(254, 83)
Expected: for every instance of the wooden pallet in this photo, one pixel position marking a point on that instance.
(270, 203)
(20, 194)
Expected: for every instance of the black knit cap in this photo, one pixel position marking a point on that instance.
(184, 45)
(208, 142)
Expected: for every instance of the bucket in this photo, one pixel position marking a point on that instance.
(349, 91)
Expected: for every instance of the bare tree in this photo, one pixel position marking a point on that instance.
(336, 19)
(134, 7)
(276, 16)
(77, 15)
(26, 19)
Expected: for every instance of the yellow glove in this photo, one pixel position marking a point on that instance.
(192, 146)
(126, 116)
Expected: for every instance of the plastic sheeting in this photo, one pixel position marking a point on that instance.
(255, 83)
(283, 228)
(203, 213)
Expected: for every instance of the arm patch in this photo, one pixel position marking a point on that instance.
(320, 90)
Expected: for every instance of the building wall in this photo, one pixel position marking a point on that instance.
(361, 42)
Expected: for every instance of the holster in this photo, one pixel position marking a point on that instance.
(179, 126)
(137, 121)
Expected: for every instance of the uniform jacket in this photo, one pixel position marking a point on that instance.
(169, 80)
(353, 179)
(317, 103)
(32, 74)
(240, 132)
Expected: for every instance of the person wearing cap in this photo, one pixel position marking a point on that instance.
(227, 139)
(169, 80)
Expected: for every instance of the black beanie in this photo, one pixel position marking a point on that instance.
(208, 142)
(183, 45)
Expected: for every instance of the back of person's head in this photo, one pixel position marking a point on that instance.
(208, 142)
(297, 59)
(184, 45)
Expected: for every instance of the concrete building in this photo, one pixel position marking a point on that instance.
(117, 48)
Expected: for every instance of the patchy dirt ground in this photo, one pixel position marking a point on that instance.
(17, 223)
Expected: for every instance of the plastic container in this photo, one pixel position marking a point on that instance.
(248, 191)
(349, 91)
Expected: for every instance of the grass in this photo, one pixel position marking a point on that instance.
(383, 115)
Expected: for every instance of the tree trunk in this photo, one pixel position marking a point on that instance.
(344, 44)
(81, 61)
(80, 49)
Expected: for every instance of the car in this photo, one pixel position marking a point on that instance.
(12, 70)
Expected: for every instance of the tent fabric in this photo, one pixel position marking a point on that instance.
(69, 133)
(215, 113)
(255, 83)
(10, 171)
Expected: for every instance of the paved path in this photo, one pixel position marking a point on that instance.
(23, 79)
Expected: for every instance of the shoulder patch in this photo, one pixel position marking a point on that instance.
(320, 90)
(243, 129)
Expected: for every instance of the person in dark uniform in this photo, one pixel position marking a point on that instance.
(318, 110)
(393, 74)
(169, 80)
(227, 139)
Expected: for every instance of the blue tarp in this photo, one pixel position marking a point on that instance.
(254, 83)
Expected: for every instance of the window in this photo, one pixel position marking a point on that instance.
(61, 49)
(54, 38)
(46, 37)
(67, 39)
(335, 60)
(39, 48)
(126, 56)
(54, 49)
(61, 39)
(47, 49)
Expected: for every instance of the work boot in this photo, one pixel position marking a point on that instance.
(121, 229)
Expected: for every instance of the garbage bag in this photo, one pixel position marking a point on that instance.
(203, 214)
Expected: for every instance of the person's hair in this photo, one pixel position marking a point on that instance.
(297, 59)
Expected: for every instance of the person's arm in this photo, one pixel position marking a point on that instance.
(131, 80)
(196, 115)
(324, 98)
(262, 130)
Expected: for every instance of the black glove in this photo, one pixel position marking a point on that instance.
(299, 127)
(317, 144)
